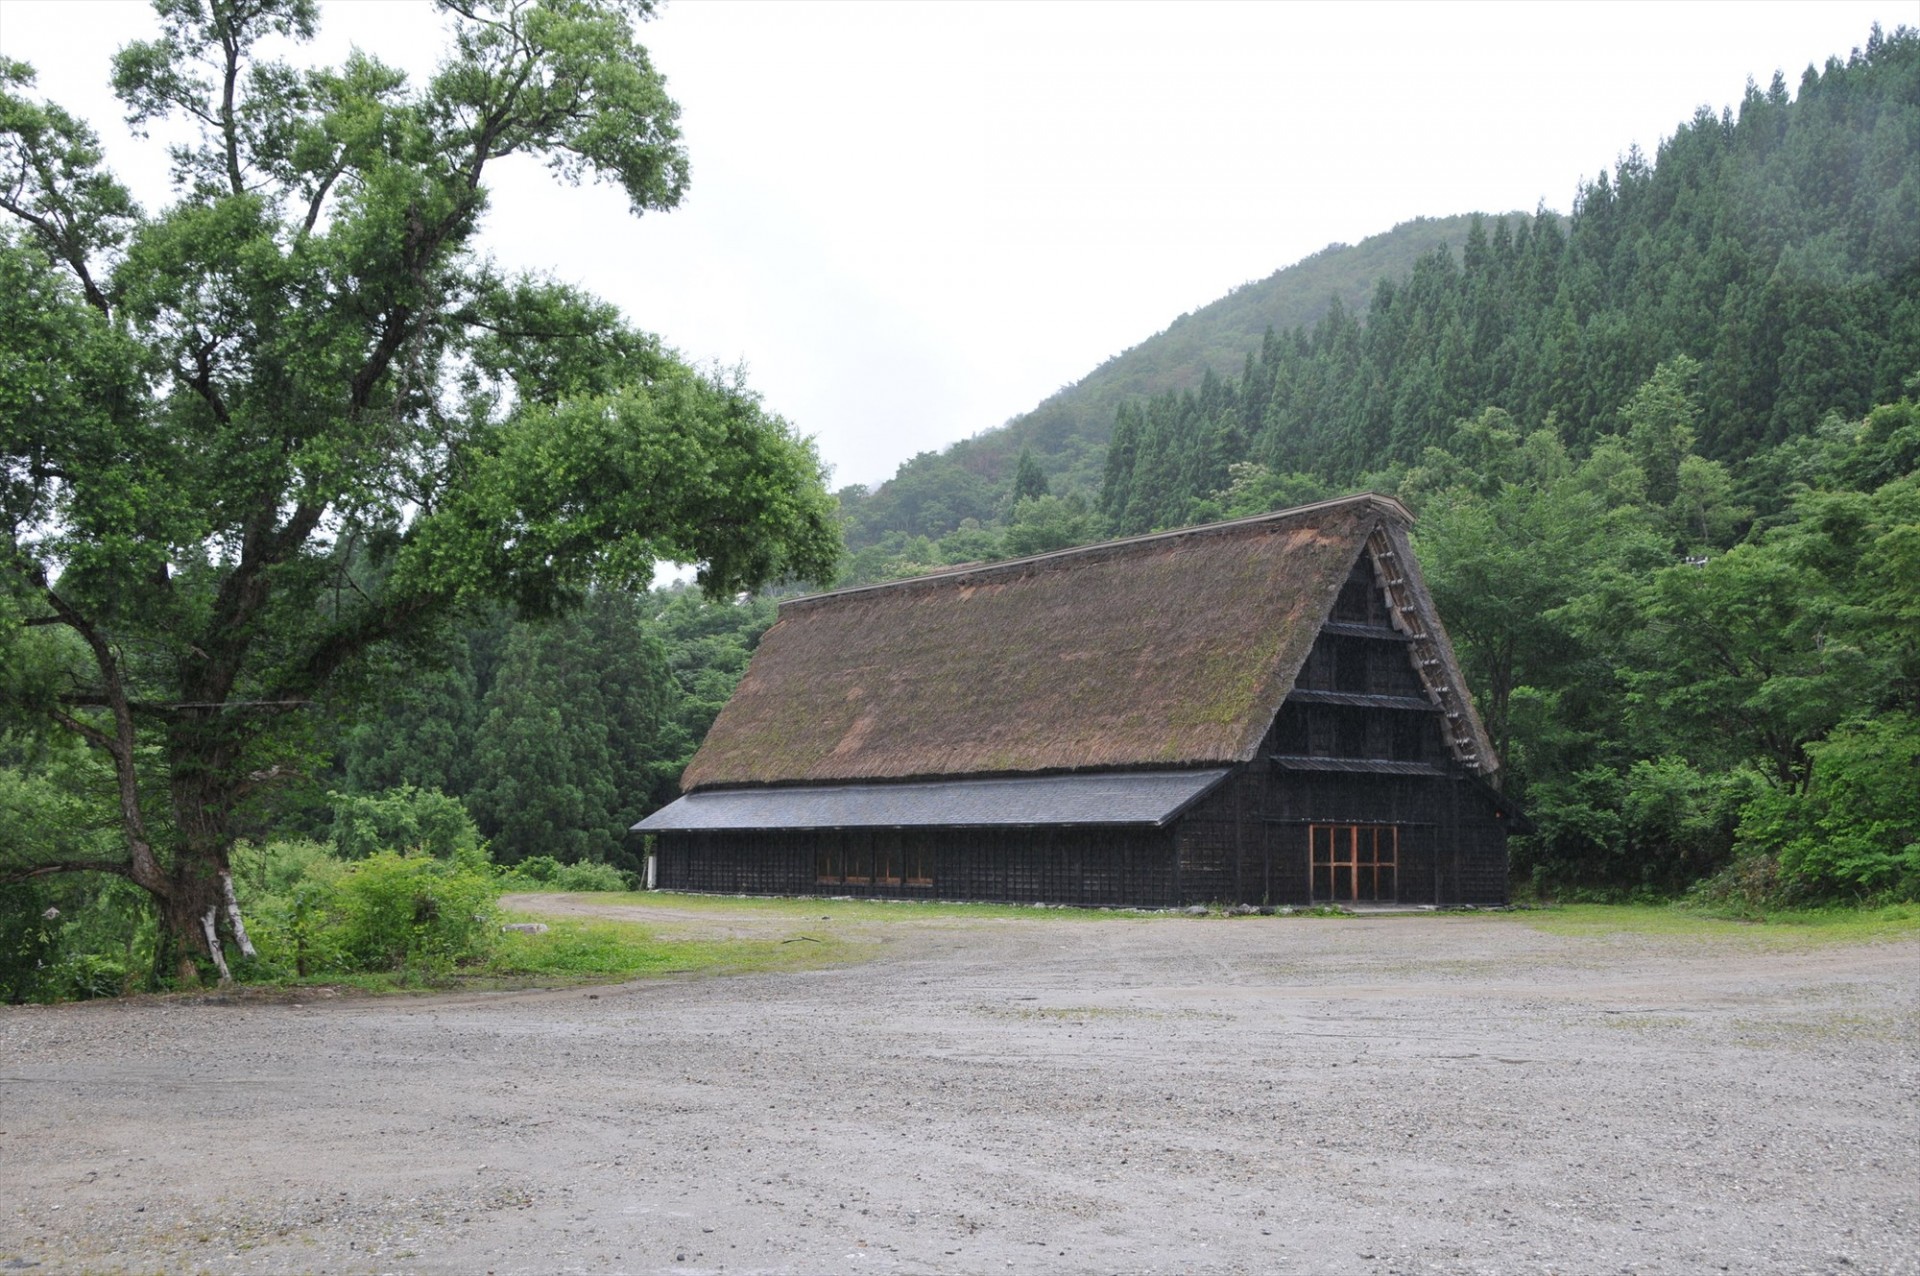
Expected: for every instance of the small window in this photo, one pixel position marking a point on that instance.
(859, 866)
(917, 864)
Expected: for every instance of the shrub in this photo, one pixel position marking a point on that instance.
(543, 872)
(402, 819)
(413, 912)
(29, 933)
(1855, 829)
(537, 868)
(387, 912)
(590, 877)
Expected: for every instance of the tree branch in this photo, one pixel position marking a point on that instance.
(145, 867)
(48, 869)
(61, 241)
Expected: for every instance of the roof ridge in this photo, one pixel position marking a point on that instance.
(1391, 506)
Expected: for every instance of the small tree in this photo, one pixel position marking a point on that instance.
(294, 421)
(1029, 482)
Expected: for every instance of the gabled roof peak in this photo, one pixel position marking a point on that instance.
(1387, 507)
(1167, 651)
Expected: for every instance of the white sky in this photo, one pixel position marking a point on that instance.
(914, 221)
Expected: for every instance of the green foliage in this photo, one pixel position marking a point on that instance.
(405, 819)
(413, 914)
(543, 872)
(265, 447)
(580, 735)
(1043, 523)
(1719, 298)
(70, 939)
(1854, 830)
(1029, 482)
(29, 935)
(1068, 434)
(1646, 706)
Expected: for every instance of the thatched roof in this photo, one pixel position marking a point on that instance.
(1171, 650)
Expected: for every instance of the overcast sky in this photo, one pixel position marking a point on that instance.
(914, 221)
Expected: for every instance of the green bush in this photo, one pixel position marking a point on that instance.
(1854, 832)
(537, 868)
(29, 937)
(543, 872)
(415, 914)
(590, 877)
(402, 819)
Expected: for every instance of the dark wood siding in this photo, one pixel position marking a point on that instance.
(1248, 842)
(1094, 867)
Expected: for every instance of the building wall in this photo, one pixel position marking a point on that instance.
(1250, 841)
(1094, 867)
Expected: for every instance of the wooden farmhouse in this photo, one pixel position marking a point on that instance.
(1264, 711)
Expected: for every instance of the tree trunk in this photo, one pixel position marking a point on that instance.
(201, 903)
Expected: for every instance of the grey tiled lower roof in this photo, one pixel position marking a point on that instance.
(1100, 798)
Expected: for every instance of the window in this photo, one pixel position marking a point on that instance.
(1354, 862)
(859, 856)
(872, 859)
(918, 864)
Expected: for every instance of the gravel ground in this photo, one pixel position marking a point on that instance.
(1378, 1095)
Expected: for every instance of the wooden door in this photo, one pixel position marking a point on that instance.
(1354, 863)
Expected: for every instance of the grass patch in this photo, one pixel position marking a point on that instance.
(601, 950)
(1786, 929)
(814, 907)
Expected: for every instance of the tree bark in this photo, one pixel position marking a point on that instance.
(201, 762)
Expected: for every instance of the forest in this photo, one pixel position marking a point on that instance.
(1662, 450)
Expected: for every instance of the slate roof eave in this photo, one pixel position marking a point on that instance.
(1111, 799)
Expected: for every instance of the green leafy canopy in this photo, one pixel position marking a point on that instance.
(295, 418)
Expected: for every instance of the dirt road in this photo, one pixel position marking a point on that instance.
(1408, 1094)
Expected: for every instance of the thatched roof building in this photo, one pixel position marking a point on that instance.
(1159, 688)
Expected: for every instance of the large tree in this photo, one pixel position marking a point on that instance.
(285, 429)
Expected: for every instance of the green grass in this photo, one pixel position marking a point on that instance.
(1807, 927)
(813, 907)
(595, 950)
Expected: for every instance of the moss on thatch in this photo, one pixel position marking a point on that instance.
(1174, 649)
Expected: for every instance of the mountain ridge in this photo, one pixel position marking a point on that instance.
(1067, 431)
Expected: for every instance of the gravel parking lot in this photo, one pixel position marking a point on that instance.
(1455, 1094)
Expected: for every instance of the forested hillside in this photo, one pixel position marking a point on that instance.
(934, 492)
(1773, 242)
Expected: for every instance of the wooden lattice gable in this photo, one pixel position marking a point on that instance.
(1411, 610)
(1164, 651)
